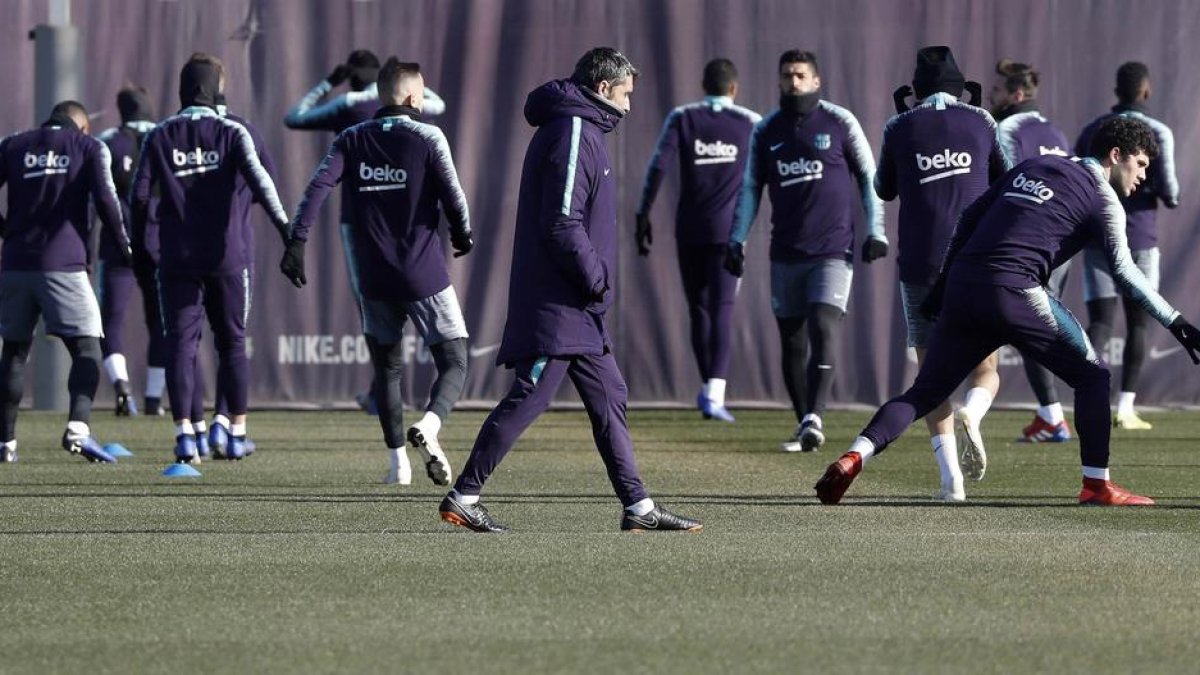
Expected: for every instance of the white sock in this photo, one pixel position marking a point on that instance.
(641, 508)
(398, 458)
(76, 428)
(185, 427)
(199, 426)
(1052, 414)
(945, 451)
(977, 402)
(114, 365)
(430, 423)
(812, 418)
(237, 430)
(221, 420)
(864, 447)
(465, 499)
(156, 381)
(11, 445)
(715, 391)
(1093, 472)
(1125, 402)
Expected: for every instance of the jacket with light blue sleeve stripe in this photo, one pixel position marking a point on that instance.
(1023, 132)
(711, 139)
(1038, 216)
(197, 158)
(345, 110)
(937, 158)
(1161, 184)
(394, 172)
(809, 165)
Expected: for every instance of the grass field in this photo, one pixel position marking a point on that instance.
(299, 560)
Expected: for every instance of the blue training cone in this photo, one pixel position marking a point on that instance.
(180, 471)
(117, 450)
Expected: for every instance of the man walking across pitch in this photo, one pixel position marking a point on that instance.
(711, 139)
(564, 254)
(809, 154)
(52, 173)
(991, 291)
(395, 171)
(937, 158)
(1024, 133)
(196, 156)
(1141, 209)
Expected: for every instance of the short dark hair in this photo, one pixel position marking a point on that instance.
(1125, 134)
(362, 58)
(719, 77)
(394, 70)
(1130, 77)
(67, 108)
(1018, 77)
(798, 56)
(602, 64)
(208, 59)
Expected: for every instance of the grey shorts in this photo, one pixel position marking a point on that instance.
(919, 328)
(437, 318)
(1097, 278)
(795, 286)
(64, 300)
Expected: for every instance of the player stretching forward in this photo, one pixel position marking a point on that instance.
(711, 138)
(395, 171)
(993, 283)
(937, 158)
(808, 153)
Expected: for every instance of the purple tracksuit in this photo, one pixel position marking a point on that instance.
(711, 139)
(938, 158)
(564, 252)
(197, 158)
(808, 164)
(53, 173)
(1037, 216)
(1024, 132)
(397, 170)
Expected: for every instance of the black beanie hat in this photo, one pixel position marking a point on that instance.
(936, 71)
(134, 104)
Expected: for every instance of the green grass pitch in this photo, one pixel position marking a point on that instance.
(299, 560)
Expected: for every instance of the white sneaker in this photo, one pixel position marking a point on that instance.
(437, 466)
(795, 444)
(953, 493)
(972, 456)
(811, 437)
(401, 475)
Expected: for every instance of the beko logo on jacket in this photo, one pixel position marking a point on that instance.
(1035, 191)
(195, 161)
(715, 152)
(803, 169)
(1043, 150)
(46, 165)
(387, 177)
(947, 163)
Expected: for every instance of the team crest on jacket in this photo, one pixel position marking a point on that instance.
(822, 141)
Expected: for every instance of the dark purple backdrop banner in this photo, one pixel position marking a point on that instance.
(483, 56)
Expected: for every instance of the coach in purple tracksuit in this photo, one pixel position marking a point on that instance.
(196, 157)
(1024, 133)
(560, 289)
(816, 164)
(395, 171)
(937, 157)
(711, 139)
(52, 173)
(361, 72)
(1100, 292)
(991, 291)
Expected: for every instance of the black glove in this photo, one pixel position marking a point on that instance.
(339, 75)
(931, 307)
(462, 242)
(1188, 336)
(292, 264)
(643, 234)
(873, 249)
(143, 262)
(735, 259)
(127, 256)
(976, 91)
(898, 97)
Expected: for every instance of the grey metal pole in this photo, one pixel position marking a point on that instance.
(58, 72)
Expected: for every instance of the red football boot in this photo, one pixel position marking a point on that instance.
(1100, 492)
(838, 477)
(1041, 431)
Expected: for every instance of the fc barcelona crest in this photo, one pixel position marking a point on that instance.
(822, 141)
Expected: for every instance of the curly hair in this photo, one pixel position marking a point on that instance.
(1125, 134)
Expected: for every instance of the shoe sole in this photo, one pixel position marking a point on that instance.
(811, 439)
(643, 530)
(950, 498)
(791, 446)
(972, 456)
(458, 521)
(437, 467)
